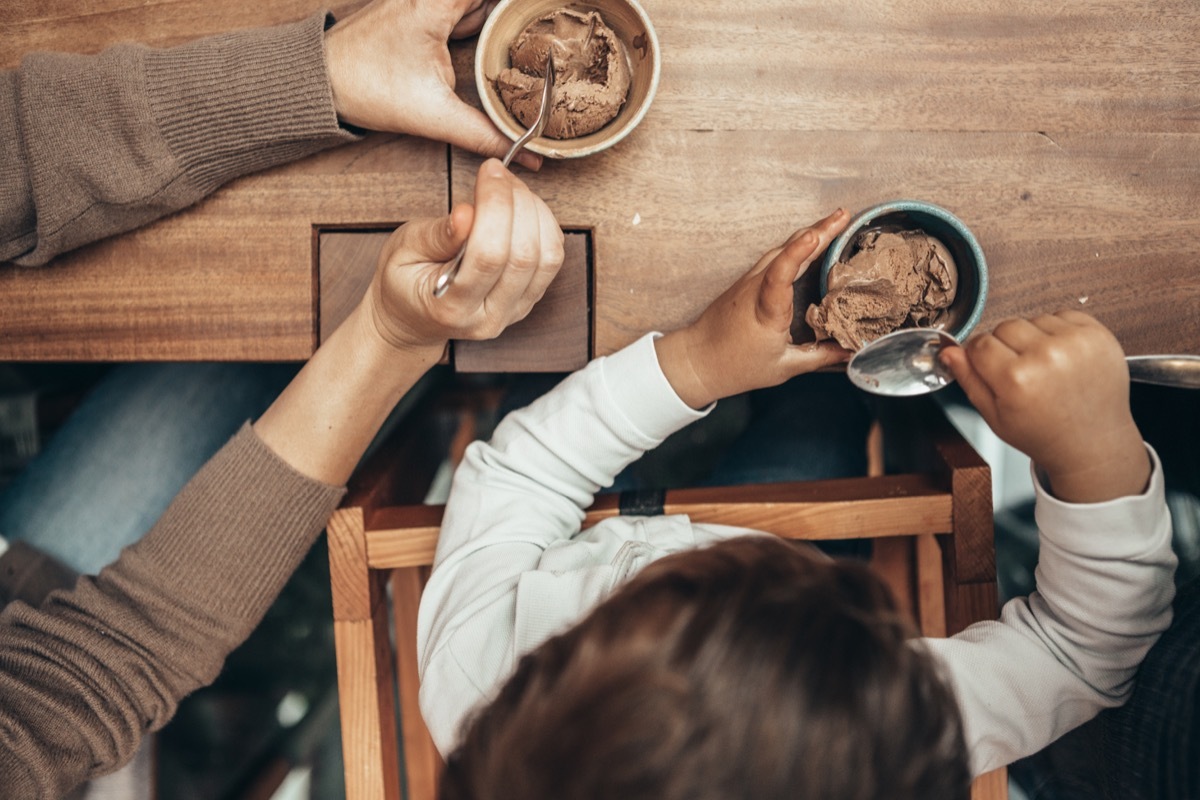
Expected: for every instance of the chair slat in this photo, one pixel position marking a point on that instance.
(848, 508)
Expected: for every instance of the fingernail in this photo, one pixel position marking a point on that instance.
(531, 161)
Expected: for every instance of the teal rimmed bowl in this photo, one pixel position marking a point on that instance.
(967, 308)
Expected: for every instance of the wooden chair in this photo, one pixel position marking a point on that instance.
(931, 522)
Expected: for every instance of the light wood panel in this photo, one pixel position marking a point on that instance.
(930, 585)
(927, 65)
(845, 508)
(991, 785)
(366, 676)
(1105, 223)
(1065, 136)
(423, 765)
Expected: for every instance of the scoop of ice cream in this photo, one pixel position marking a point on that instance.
(891, 280)
(591, 73)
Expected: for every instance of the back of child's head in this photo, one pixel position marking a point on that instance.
(753, 668)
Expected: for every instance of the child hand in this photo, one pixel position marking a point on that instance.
(742, 340)
(1056, 387)
(514, 250)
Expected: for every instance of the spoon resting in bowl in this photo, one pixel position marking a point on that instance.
(905, 363)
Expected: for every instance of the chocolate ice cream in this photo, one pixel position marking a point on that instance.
(591, 73)
(891, 279)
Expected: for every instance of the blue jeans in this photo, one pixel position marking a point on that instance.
(138, 436)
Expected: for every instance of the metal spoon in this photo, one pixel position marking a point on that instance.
(902, 363)
(905, 363)
(447, 276)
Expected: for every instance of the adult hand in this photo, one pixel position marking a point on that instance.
(742, 341)
(390, 70)
(1056, 387)
(514, 249)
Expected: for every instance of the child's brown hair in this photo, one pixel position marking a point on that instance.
(753, 668)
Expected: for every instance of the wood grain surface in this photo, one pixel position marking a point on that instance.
(88, 27)
(1064, 135)
(232, 278)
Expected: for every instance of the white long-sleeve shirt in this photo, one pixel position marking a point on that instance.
(513, 568)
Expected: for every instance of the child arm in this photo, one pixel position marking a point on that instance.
(507, 572)
(1056, 387)
(511, 567)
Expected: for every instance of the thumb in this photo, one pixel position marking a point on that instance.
(978, 392)
(470, 129)
(802, 358)
(437, 239)
(473, 20)
(775, 292)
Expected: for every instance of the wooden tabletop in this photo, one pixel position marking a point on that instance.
(235, 277)
(1065, 135)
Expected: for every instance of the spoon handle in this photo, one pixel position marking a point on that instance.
(1162, 370)
(535, 130)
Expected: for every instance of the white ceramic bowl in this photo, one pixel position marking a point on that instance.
(627, 20)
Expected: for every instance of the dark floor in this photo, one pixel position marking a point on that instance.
(274, 706)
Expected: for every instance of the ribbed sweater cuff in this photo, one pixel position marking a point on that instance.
(244, 101)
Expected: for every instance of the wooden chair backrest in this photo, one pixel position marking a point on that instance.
(932, 530)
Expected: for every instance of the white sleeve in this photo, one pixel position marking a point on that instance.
(515, 504)
(1070, 649)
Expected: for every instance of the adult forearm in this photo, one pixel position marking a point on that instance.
(324, 420)
(83, 676)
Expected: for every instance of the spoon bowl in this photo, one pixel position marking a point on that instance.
(902, 363)
(905, 363)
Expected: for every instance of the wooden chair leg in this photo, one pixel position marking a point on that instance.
(422, 763)
(930, 585)
(893, 560)
(918, 437)
(364, 664)
(991, 786)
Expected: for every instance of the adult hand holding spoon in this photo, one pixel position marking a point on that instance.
(447, 276)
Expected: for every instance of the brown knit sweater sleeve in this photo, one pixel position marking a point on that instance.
(91, 146)
(86, 675)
